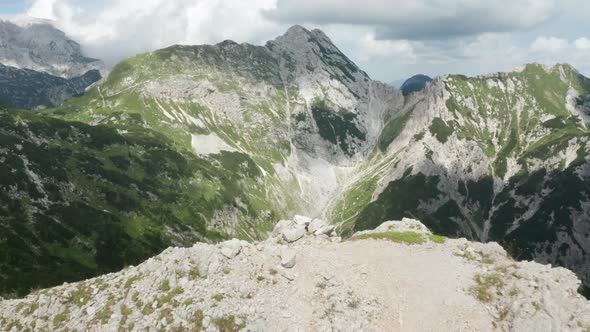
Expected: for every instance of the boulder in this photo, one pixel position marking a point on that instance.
(316, 224)
(293, 234)
(231, 248)
(302, 220)
(325, 230)
(404, 225)
(288, 257)
(281, 226)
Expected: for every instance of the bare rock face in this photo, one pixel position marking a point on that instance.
(38, 45)
(40, 66)
(371, 282)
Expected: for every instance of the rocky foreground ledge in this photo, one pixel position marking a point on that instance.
(398, 277)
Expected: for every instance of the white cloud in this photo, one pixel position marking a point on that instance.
(114, 29)
(390, 38)
(399, 50)
(549, 44)
(421, 19)
(582, 43)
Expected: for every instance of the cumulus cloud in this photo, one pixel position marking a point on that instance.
(582, 43)
(400, 50)
(390, 38)
(551, 50)
(549, 44)
(112, 29)
(420, 19)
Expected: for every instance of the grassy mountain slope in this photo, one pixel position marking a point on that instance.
(501, 157)
(78, 200)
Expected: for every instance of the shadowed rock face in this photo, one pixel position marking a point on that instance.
(25, 88)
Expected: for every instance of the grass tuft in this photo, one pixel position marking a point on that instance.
(399, 237)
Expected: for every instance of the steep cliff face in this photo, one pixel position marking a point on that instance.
(501, 157)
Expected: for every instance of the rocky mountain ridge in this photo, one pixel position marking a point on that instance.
(304, 278)
(41, 66)
(252, 134)
(37, 45)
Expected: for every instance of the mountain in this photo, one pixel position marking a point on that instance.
(211, 142)
(40, 66)
(501, 157)
(415, 83)
(397, 83)
(314, 281)
(25, 88)
(39, 46)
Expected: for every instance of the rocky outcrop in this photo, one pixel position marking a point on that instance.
(396, 277)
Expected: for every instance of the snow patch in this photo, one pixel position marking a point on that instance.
(209, 144)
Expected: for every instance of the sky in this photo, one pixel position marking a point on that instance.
(390, 39)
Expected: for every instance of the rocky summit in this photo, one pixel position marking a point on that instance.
(397, 277)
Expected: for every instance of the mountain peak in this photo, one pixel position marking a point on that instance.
(38, 45)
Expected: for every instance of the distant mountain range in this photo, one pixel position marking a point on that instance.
(40, 66)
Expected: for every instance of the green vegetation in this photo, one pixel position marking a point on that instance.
(165, 286)
(441, 130)
(218, 297)
(322, 284)
(392, 130)
(194, 273)
(228, 324)
(168, 297)
(81, 296)
(338, 128)
(105, 198)
(198, 320)
(106, 313)
(486, 286)
(132, 280)
(400, 198)
(399, 237)
(437, 238)
(60, 318)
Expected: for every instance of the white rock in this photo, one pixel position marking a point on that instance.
(302, 220)
(281, 226)
(315, 225)
(231, 248)
(292, 235)
(288, 257)
(90, 310)
(327, 229)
